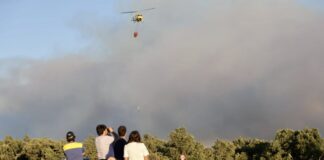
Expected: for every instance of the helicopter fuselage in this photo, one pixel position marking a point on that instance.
(138, 18)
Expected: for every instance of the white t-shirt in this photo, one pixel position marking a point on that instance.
(135, 151)
(102, 145)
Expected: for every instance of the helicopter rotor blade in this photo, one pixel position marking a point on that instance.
(128, 12)
(147, 9)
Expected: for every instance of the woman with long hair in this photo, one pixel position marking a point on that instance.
(135, 149)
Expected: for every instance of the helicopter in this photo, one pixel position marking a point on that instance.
(138, 17)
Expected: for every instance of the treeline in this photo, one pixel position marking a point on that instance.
(305, 144)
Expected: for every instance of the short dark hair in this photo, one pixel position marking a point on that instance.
(121, 130)
(100, 129)
(70, 137)
(134, 136)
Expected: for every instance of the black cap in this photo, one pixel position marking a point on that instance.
(70, 136)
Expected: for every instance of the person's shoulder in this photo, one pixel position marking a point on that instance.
(79, 144)
(142, 145)
(107, 138)
(110, 137)
(121, 140)
(136, 144)
(129, 144)
(103, 137)
(98, 138)
(72, 145)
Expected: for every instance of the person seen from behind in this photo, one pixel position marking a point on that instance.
(104, 143)
(73, 150)
(135, 149)
(120, 143)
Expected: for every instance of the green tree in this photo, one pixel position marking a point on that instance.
(157, 148)
(276, 152)
(209, 153)
(287, 145)
(90, 147)
(303, 144)
(10, 148)
(253, 148)
(42, 149)
(241, 156)
(181, 142)
(223, 150)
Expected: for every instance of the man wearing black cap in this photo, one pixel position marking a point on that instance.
(73, 150)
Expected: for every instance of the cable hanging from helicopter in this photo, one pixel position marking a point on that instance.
(137, 18)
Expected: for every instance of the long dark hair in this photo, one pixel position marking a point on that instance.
(134, 136)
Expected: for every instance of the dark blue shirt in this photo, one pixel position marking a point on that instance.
(119, 148)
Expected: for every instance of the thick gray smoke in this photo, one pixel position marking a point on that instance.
(220, 69)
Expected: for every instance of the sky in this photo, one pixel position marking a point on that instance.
(220, 68)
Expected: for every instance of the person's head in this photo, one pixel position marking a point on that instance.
(182, 157)
(70, 137)
(134, 136)
(121, 131)
(101, 129)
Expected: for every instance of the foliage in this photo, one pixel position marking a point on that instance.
(156, 147)
(10, 148)
(181, 142)
(303, 144)
(90, 147)
(223, 149)
(42, 148)
(287, 145)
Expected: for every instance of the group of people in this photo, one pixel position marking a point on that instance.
(109, 145)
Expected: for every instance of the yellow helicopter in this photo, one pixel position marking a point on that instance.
(138, 17)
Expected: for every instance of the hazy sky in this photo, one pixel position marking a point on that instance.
(220, 68)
